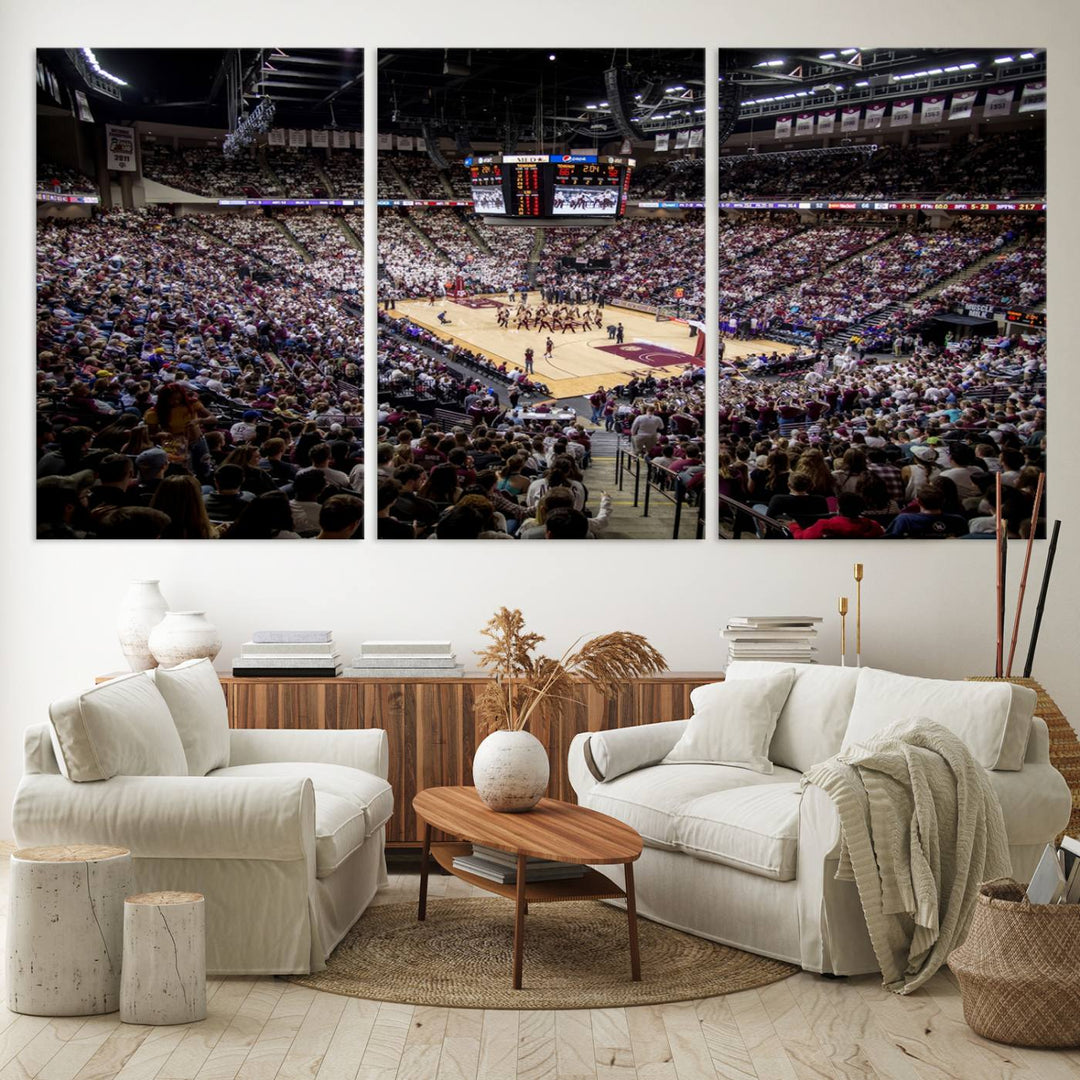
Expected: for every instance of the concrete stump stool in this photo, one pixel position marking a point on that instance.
(65, 929)
(164, 980)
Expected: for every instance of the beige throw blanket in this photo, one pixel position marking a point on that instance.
(921, 829)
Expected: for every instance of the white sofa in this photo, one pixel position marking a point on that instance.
(282, 831)
(742, 857)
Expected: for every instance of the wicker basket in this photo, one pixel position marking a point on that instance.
(1019, 969)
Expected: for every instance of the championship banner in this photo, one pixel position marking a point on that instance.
(121, 148)
(931, 110)
(804, 124)
(386, 142)
(874, 116)
(682, 139)
(999, 101)
(275, 137)
(826, 121)
(320, 138)
(421, 143)
(405, 142)
(849, 118)
(662, 142)
(342, 140)
(84, 107)
(1033, 97)
(902, 112)
(625, 148)
(697, 138)
(783, 127)
(297, 136)
(963, 101)
(359, 135)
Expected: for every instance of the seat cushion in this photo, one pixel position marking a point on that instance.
(364, 791)
(751, 828)
(119, 728)
(811, 725)
(653, 801)
(340, 828)
(192, 691)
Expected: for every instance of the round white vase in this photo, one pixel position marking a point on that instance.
(143, 607)
(184, 635)
(510, 771)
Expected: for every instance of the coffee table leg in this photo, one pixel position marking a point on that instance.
(425, 857)
(519, 921)
(631, 916)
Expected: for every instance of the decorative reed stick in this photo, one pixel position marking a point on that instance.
(858, 614)
(1042, 599)
(841, 606)
(1024, 573)
(999, 573)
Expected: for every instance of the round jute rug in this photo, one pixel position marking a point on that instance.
(576, 957)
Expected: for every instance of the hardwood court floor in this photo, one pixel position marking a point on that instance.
(804, 1028)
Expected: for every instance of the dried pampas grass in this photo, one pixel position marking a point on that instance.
(522, 681)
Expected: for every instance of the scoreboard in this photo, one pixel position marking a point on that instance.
(550, 185)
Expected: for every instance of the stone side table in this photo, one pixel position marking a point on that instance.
(65, 929)
(164, 980)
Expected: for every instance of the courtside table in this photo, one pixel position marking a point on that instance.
(552, 830)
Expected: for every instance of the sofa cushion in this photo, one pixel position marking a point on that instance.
(340, 828)
(992, 719)
(193, 693)
(811, 725)
(654, 800)
(366, 792)
(751, 828)
(119, 728)
(733, 722)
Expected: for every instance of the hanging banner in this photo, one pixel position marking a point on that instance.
(120, 142)
(84, 107)
(849, 118)
(826, 121)
(874, 116)
(297, 136)
(999, 101)
(405, 142)
(1033, 97)
(320, 138)
(662, 142)
(386, 142)
(360, 140)
(902, 112)
(421, 143)
(804, 124)
(625, 148)
(963, 101)
(697, 138)
(342, 140)
(783, 127)
(275, 137)
(682, 139)
(931, 110)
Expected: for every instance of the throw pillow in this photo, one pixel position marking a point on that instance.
(193, 693)
(733, 722)
(121, 728)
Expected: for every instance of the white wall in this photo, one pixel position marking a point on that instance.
(928, 607)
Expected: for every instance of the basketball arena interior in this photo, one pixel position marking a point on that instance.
(542, 328)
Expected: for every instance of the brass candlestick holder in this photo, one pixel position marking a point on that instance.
(842, 608)
(858, 613)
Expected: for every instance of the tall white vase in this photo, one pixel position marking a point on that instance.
(184, 635)
(510, 771)
(142, 609)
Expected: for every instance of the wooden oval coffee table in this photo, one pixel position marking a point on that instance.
(553, 830)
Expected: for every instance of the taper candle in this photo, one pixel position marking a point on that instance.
(858, 614)
(842, 607)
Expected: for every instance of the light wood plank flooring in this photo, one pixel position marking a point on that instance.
(805, 1028)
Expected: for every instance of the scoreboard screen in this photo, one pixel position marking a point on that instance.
(579, 185)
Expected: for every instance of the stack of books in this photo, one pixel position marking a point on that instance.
(405, 660)
(787, 639)
(501, 866)
(291, 653)
(1057, 877)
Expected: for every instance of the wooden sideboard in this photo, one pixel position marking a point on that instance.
(431, 726)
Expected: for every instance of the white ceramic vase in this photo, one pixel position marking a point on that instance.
(184, 635)
(142, 609)
(510, 771)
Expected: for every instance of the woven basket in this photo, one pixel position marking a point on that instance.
(1019, 969)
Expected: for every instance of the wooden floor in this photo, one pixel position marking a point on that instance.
(261, 1029)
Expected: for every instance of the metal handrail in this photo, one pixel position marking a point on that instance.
(762, 519)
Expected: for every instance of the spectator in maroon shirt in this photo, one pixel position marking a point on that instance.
(848, 524)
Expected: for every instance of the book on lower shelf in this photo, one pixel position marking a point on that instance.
(262, 671)
(501, 867)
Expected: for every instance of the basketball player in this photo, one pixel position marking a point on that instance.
(549, 349)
